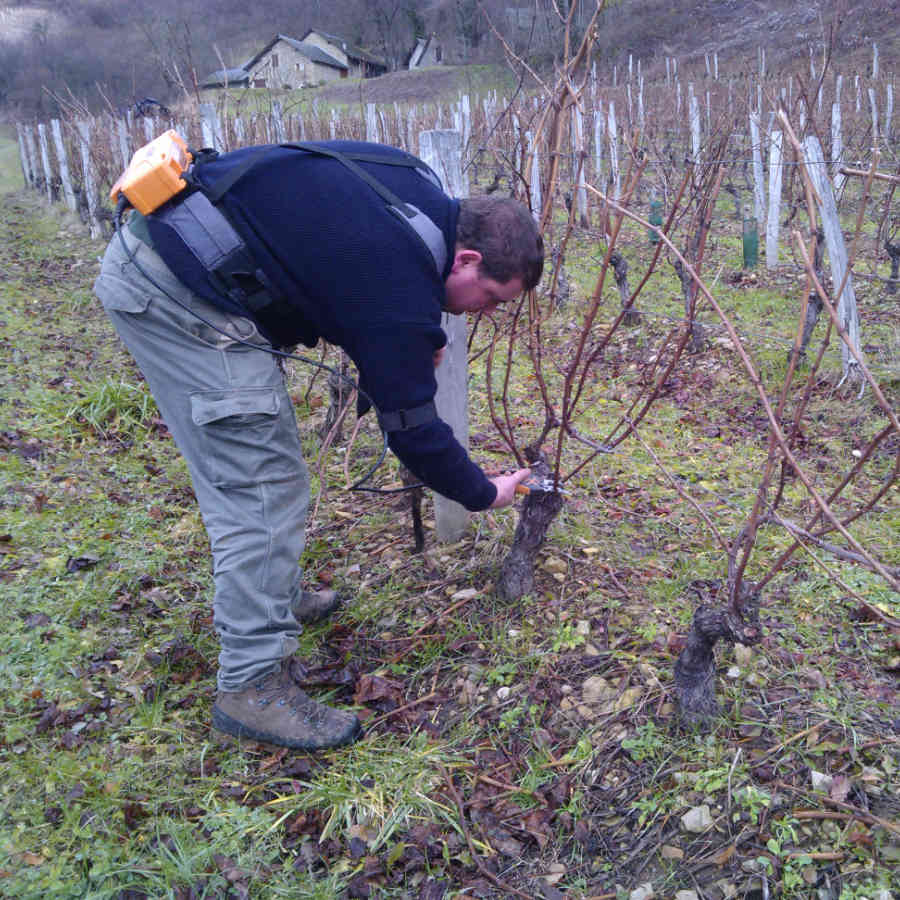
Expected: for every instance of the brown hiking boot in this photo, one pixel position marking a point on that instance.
(315, 606)
(274, 710)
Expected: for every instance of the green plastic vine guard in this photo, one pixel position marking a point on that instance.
(655, 218)
(751, 242)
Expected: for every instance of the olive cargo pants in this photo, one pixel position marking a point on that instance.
(230, 415)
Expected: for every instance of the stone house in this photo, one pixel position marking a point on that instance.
(360, 63)
(427, 52)
(287, 63)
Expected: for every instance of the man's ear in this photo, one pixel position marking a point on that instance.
(465, 257)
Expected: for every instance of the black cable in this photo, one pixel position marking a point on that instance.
(357, 486)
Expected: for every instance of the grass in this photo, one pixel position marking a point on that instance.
(112, 781)
(11, 178)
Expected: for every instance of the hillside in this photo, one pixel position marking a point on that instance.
(131, 53)
(735, 29)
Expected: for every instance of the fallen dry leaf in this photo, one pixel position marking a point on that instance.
(373, 687)
(840, 788)
(723, 855)
(273, 760)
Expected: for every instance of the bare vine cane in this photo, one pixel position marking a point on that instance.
(738, 621)
(755, 380)
(416, 495)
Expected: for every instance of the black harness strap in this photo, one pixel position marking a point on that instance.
(218, 190)
(221, 251)
(404, 419)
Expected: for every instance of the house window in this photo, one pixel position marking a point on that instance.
(274, 60)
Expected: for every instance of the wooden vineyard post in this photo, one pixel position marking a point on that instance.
(873, 105)
(837, 143)
(535, 178)
(124, 151)
(759, 190)
(466, 116)
(578, 160)
(888, 112)
(442, 150)
(694, 115)
(612, 136)
(278, 123)
(31, 144)
(26, 139)
(774, 199)
(62, 157)
(45, 161)
(23, 155)
(89, 182)
(598, 142)
(847, 312)
(210, 127)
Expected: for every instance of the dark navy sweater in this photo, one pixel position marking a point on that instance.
(360, 279)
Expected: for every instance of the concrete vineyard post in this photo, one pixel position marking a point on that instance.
(442, 151)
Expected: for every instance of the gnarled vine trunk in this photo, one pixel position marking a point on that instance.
(814, 305)
(340, 387)
(538, 511)
(695, 669)
(893, 251)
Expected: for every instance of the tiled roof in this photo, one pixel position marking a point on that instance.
(226, 76)
(351, 50)
(310, 51)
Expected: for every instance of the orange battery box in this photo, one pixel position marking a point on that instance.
(154, 174)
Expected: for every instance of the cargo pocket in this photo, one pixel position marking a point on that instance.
(248, 436)
(121, 294)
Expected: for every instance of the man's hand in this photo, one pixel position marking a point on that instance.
(506, 487)
(439, 356)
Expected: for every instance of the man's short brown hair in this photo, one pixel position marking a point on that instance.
(504, 232)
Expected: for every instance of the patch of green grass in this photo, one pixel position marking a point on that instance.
(378, 790)
(114, 406)
(11, 178)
